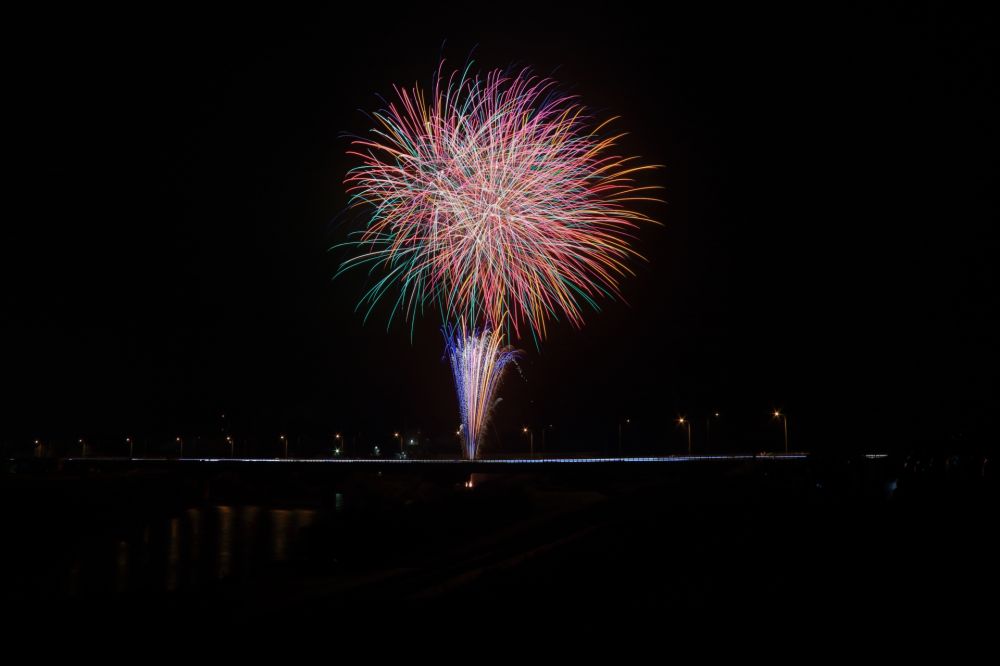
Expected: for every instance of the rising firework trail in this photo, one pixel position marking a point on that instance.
(477, 361)
(500, 203)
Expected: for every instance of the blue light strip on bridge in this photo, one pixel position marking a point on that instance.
(459, 461)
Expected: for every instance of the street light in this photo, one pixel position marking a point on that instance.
(128, 440)
(336, 448)
(531, 439)
(784, 421)
(400, 438)
(627, 421)
(708, 429)
(231, 447)
(83, 448)
(181, 443)
(686, 424)
(284, 440)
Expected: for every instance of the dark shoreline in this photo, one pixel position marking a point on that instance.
(312, 540)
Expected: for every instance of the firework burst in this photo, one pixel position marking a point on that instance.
(495, 201)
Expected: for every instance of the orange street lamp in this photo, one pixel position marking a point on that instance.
(683, 422)
(784, 421)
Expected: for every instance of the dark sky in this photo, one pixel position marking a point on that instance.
(826, 246)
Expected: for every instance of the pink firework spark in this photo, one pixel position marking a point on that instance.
(496, 200)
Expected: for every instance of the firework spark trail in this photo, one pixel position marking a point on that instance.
(495, 203)
(477, 360)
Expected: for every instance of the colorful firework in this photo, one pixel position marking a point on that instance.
(497, 201)
(494, 202)
(477, 360)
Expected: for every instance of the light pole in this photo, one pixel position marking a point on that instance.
(400, 438)
(180, 442)
(708, 429)
(687, 424)
(336, 448)
(627, 421)
(784, 422)
(128, 440)
(548, 427)
(229, 440)
(83, 449)
(284, 440)
(531, 439)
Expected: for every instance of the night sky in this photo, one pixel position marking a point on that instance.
(826, 243)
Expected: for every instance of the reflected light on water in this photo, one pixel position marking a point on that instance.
(303, 518)
(279, 534)
(194, 548)
(224, 559)
(285, 527)
(173, 554)
(249, 518)
(194, 533)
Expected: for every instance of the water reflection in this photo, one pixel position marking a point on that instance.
(285, 525)
(173, 554)
(249, 516)
(303, 518)
(224, 559)
(191, 549)
(194, 533)
(279, 530)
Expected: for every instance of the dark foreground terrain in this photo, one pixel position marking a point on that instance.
(265, 544)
